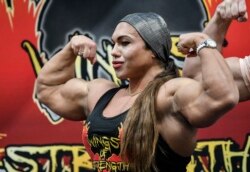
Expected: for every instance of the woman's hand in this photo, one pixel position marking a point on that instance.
(84, 47)
(188, 43)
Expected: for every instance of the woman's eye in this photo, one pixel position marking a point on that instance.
(124, 43)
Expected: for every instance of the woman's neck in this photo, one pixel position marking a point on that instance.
(137, 85)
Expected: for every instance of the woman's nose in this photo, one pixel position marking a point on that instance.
(115, 51)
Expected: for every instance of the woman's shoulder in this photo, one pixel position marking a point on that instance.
(100, 86)
(97, 88)
(176, 83)
(104, 82)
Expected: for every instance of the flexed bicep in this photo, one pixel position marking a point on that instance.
(198, 106)
(68, 100)
(56, 85)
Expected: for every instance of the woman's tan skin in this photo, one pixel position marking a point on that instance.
(184, 104)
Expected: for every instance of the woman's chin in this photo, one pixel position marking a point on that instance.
(120, 76)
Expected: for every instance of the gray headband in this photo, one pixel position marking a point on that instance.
(153, 30)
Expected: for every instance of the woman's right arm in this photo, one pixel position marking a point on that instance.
(56, 85)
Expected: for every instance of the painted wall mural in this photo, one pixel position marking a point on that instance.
(33, 138)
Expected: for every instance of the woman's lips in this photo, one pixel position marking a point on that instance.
(117, 64)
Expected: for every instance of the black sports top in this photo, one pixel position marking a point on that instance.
(101, 137)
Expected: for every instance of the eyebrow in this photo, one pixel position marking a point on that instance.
(121, 37)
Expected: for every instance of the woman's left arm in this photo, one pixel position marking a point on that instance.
(215, 94)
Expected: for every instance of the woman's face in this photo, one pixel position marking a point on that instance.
(131, 58)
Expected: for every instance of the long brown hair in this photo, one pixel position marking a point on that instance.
(140, 133)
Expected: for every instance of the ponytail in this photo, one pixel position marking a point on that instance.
(140, 133)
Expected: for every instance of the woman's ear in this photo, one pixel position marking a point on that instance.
(153, 55)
